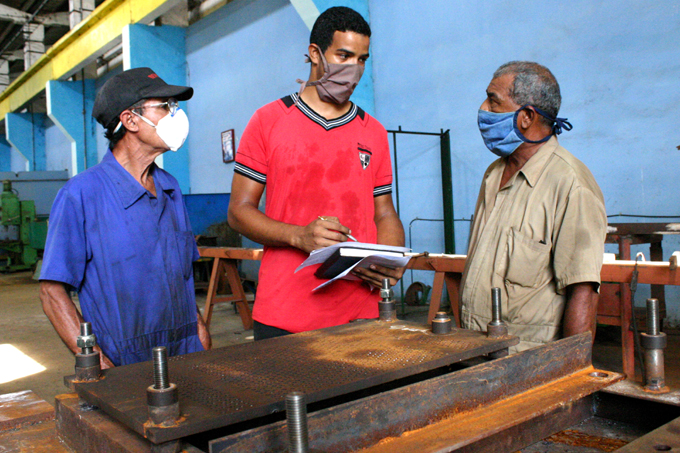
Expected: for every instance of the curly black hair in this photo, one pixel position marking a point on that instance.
(337, 18)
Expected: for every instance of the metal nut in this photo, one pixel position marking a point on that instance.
(86, 341)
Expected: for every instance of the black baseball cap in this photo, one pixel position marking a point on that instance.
(129, 87)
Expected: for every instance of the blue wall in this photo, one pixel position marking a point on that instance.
(241, 57)
(57, 148)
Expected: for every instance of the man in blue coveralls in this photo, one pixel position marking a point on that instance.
(119, 233)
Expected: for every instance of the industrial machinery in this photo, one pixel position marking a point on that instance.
(22, 233)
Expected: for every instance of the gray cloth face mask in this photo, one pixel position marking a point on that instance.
(337, 83)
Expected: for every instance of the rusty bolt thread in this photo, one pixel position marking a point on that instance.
(495, 306)
(160, 368)
(296, 418)
(653, 316)
(86, 331)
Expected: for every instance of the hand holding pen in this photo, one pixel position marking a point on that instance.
(336, 220)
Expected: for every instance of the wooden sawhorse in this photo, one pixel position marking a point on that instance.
(225, 265)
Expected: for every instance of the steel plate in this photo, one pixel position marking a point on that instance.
(228, 385)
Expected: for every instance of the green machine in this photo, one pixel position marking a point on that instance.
(22, 233)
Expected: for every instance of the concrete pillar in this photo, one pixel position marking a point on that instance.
(34, 45)
(79, 10)
(163, 50)
(4, 74)
(309, 10)
(69, 106)
(5, 154)
(26, 133)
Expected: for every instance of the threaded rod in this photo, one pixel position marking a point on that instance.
(160, 368)
(296, 417)
(495, 305)
(653, 316)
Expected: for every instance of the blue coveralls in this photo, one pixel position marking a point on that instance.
(129, 256)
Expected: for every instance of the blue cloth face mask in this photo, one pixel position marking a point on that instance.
(500, 133)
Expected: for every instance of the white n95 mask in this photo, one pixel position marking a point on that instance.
(172, 129)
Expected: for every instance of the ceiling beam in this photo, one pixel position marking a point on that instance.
(83, 44)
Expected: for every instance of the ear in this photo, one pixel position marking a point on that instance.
(526, 118)
(129, 120)
(314, 54)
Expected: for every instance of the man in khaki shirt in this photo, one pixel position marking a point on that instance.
(539, 224)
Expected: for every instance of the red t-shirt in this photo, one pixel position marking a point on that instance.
(313, 167)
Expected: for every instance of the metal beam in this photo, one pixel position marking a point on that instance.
(82, 45)
(21, 17)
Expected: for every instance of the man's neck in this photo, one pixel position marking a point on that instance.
(328, 110)
(137, 160)
(517, 159)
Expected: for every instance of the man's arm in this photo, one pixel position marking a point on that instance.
(390, 232)
(203, 333)
(244, 217)
(64, 316)
(580, 314)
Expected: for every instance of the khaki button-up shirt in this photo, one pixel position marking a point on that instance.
(543, 231)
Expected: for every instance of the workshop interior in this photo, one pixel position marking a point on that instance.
(409, 378)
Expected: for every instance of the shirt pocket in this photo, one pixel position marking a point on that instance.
(528, 261)
(185, 249)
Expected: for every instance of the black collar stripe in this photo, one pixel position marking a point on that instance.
(320, 120)
(250, 173)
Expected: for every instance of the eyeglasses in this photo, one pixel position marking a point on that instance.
(171, 105)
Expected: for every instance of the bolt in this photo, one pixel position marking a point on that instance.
(160, 368)
(386, 290)
(653, 316)
(296, 417)
(495, 306)
(86, 331)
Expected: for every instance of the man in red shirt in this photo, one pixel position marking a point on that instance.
(326, 165)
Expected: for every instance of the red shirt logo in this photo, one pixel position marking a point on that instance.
(153, 76)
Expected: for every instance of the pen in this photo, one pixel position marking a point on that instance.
(348, 235)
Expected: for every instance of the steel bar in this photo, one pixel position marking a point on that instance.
(352, 426)
(238, 383)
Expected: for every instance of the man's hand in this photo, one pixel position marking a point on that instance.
(104, 361)
(375, 274)
(203, 333)
(320, 233)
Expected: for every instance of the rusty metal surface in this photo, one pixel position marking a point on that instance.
(23, 408)
(574, 438)
(665, 438)
(37, 438)
(635, 390)
(242, 382)
(508, 424)
(354, 425)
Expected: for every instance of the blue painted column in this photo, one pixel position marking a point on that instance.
(69, 106)
(5, 154)
(309, 10)
(162, 49)
(26, 133)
